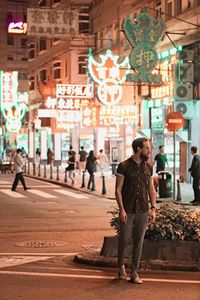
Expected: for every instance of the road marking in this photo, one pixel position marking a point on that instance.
(4, 182)
(71, 194)
(20, 260)
(82, 276)
(39, 253)
(41, 193)
(32, 186)
(12, 194)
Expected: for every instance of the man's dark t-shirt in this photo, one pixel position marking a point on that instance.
(161, 160)
(83, 155)
(135, 186)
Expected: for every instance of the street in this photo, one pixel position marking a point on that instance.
(43, 228)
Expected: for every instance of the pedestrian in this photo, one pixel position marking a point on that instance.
(195, 173)
(18, 164)
(160, 159)
(134, 188)
(102, 160)
(49, 156)
(90, 167)
(71, 166)
(82, 159)
(37, 156)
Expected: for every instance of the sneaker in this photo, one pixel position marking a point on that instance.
(122, 275)
(136, 279)
(27, 188)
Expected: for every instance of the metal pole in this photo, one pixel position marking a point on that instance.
(174, 171)
(45, 170)
(103, 186)
(39, 170)
(57, 178)
(51, 172)
(83, 180)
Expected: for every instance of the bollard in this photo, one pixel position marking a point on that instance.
(93, 184)
(39, 171)
(33, 169)
(51, 172)
(83, 180)
(28, 168)
(103, 186)
(65, 179)
(24, 168)
(178, 197)
(45, 170)
(57, 177)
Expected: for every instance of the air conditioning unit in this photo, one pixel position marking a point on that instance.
(183, 91)
(183, 73)
(186, 108)
(186, 55)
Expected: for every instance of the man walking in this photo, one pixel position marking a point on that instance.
(134, 188)
(82, 159)
(18, 163)
(161, 159)
(195, 173)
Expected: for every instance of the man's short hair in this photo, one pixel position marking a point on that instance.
(194, 149)
(19, 150)
(82, 147)
(139, 143)
(101, 150)
(162, 146)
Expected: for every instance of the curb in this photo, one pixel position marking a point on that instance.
(111, 262)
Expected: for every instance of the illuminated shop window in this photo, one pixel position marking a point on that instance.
(31, 51)
(31, 83)
(10, 40)
(57, 70)
(84, 20)
(43, 75)
(82, 64)
(42, 44)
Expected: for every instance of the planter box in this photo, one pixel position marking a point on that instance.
(166, 250)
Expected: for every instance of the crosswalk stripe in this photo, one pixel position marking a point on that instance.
(4, 182)
(41, 193)
(12, 194)
(71, 194)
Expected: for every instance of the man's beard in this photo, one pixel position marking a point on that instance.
(144, 157)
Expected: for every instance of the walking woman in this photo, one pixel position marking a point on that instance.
(71, 165)
(90, 166)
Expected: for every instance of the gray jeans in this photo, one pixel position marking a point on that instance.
(135, 228)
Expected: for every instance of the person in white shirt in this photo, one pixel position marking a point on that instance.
(18, 163)
(102, 161)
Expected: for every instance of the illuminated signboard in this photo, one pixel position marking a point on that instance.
(125, 114)
(109, 75)
(74, 91)
(143, 35)
(12, 110)
(90, 116)
(17, 27)
(66, 103)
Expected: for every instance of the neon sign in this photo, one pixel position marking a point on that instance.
(143, 36)
(74, 91)
(12, 110)
(109, 74)
(17, 27)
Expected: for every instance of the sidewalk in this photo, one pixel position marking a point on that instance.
(108, 191)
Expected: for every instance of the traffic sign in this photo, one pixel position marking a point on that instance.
(175, 121)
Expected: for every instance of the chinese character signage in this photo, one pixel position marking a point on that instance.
(124, 114)
(74, 91)
(144, 35)
(17, 27)
(53, 23)
(90, 116)
(12, 110)
(109, 75)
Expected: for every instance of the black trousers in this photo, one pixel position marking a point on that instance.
(196, 188)
(18, 177)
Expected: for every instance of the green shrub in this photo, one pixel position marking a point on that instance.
(173, 222)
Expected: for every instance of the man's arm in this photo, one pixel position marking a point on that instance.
(118, 194)
(152, 196)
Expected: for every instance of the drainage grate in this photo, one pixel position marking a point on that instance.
(40, 244)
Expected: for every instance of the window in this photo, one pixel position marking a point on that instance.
(24, 59)
(31, 51)
(158, 7)
(84, 20)
(43, 75)
(55, 1)
(82, 59)
(23, 43)
(42, 44)
(31, 83)
(42, 3)
(10, 58)
(22, 76)
(57, 70)
(10, 40)
(169, 10)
